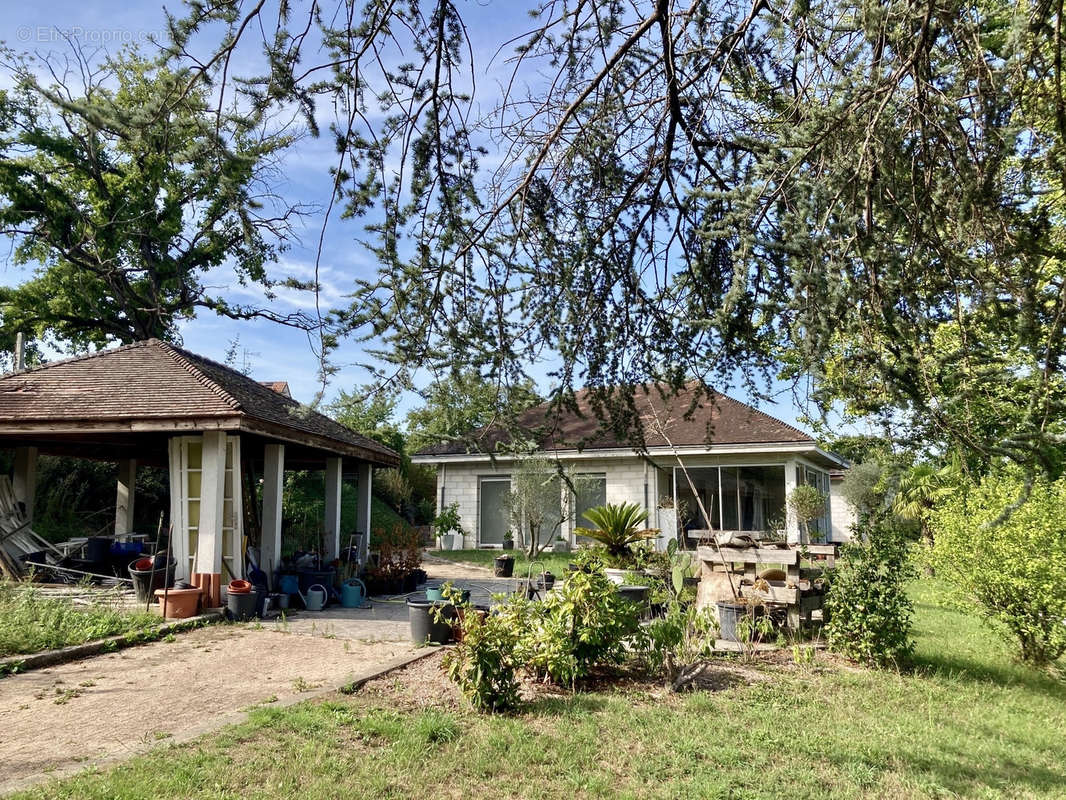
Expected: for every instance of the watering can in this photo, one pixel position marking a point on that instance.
(316, 597)
(353, 592)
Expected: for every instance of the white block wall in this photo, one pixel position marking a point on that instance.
(842, 511)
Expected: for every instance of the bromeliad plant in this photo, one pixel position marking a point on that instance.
(618, 528)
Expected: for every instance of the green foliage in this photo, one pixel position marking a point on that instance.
(618, 528)
(31, 622)
(392, 486)
(484, 664)
(448, 522)
(582, 624)
(683, 636)
(534, 501)
(864, 486)
(867, 605)
(463, 402)
(1011, 569)
(369, 410)
(124, 187)
(807, 503)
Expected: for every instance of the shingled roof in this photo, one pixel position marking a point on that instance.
(153, 385)
(715, 420)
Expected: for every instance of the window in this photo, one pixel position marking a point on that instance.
(732, 498)
(591, 492)
(493, 517)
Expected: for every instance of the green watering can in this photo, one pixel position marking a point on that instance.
(353, 593)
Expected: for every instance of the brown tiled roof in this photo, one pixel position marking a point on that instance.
(281, 387)
(714, 420)
(156, 381)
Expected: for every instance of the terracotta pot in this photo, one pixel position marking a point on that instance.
(237, 586)
(180, 603)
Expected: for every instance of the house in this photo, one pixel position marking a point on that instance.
(214, 428)
(740, 462)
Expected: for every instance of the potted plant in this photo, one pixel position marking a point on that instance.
(618, 528)
(808, 504)
(448, 528)
(508, 541)
(561, 545)
(503, 566)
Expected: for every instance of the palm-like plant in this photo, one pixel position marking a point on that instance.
(618, 528)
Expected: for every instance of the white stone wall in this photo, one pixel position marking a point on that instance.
(460, 484)
(843, 513)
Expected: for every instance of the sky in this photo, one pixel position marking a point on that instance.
(269, 351)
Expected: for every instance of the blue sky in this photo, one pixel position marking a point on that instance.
(270, 351)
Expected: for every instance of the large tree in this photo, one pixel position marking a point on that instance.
(870, 194)
(123, 187)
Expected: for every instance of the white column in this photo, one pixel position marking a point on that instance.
(125, 495)
(332, 523)
(273, 486)
(212, 496)
(179, 529)
(24, 483)
(362, 507)
(792, 529)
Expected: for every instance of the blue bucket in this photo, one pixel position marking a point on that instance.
(289, 584)
(353, 592)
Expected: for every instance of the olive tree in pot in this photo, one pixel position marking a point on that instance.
(535, 502)
(618, 528)
(807, 503)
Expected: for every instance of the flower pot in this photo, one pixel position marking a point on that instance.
(635, 594)
(503, 566)
(547, 580)
(424, 628)
(460, 615)
(729, 614)
(179, 603)
(508, 544)
(616, 575)
(561, 547)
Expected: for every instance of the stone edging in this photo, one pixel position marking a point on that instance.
(49, 658)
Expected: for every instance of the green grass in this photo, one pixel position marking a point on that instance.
(967, 722)
(31, 622)
(384, 517)
(553, 562)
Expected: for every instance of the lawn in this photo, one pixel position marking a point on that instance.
(553, 562)
(967, 722)
(31, 622)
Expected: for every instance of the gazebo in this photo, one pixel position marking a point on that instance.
(157, 404)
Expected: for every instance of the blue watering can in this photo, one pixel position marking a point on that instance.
(353, 593)
(289, 584)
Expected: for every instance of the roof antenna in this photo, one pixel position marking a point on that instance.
(20, 352)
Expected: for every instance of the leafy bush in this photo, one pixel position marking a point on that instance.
(867, 604)
(484, 665)
(673, 643)
(807, 503)
(582, 624)
(1013, 569)
(448, 522)
(392, 486)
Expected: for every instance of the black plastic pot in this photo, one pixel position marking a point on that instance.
(426, 630)
(146, 581)
(508, 544)
(729, 614)
(635, 594)
(242, 606)
(547, 580)
(503, 566)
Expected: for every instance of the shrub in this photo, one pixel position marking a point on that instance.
(1011, 569)
(867, 604)
(484, 664)
(582, 624)
(392, 486)
(448, 521)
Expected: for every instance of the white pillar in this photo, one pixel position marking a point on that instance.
(362, 507)
(273, 487)
(212, 496)
(24, 483)
(332, 523)
(792, 529)
(125, 496)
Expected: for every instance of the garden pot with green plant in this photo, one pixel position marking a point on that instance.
(618, 527)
